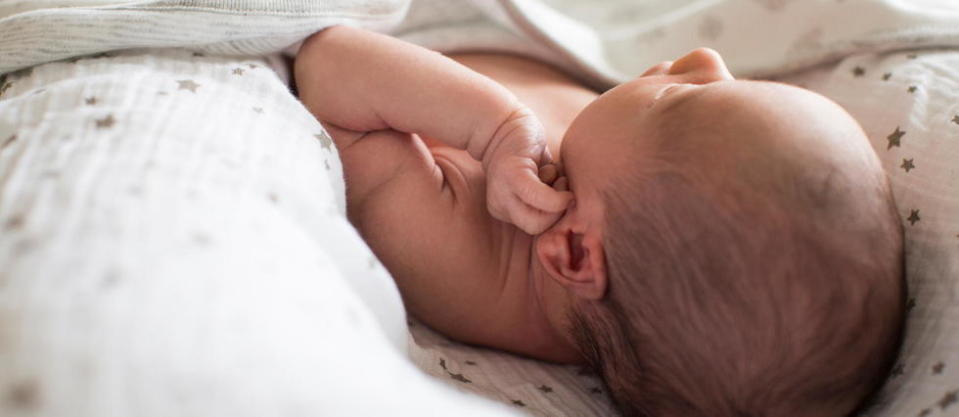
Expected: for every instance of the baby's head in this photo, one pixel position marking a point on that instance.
(733, 249)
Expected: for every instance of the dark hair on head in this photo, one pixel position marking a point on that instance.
(730, 301)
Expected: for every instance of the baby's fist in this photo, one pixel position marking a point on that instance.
(516, 167)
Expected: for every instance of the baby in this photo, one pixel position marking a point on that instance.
(712, 247)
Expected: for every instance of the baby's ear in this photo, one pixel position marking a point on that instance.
(576, 260)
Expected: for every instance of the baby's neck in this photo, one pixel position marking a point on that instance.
(538, 299)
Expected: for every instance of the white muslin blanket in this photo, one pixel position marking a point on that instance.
(38, 31)
(173, 243)
(172, 238)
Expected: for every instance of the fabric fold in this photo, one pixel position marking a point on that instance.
(758, 38)
(32, 35)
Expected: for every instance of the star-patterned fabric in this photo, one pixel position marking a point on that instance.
(908, 104)
(122, 148)
(173, 242)
(533, 387)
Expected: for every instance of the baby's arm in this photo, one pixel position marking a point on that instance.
(357, 82)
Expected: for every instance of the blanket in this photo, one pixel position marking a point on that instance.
(173, 243)
(158, 202)
(758, 38)
(603, 44)
(38, 31)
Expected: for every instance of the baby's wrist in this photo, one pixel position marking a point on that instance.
(495, 134)
(517, 134)
(495, 112)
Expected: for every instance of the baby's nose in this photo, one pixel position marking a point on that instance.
(701, 66)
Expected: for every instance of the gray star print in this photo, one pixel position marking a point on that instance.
(187, 85)
(325, 140)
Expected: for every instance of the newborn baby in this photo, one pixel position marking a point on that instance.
(712, 247)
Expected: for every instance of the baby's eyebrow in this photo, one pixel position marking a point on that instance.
(665, 92)
(677, 97)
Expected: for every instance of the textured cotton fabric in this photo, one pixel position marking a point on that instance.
(604, 42)
(173, 243)
(618, 39)
(145, 198)
(908, 104)
(37, 31)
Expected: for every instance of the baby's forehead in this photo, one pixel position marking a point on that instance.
(723, 100)
(714, 125)
(748, 113)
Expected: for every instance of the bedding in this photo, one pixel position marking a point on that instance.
(607, 43)
(173, 243)
(172, 238)
(908, 104)
(39, 31)
(757, 38)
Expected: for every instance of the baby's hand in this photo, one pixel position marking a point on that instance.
(515, 192)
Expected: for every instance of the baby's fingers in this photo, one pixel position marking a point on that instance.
(548, 173)
(561, 184)
(531, 220)
(542, 197)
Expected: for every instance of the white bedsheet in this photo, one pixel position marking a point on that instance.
(908, 104)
